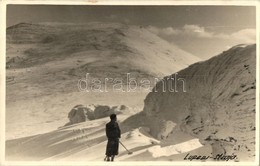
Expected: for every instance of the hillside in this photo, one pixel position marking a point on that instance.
(108, 45)
(53, 53)
(45, 61)
(218, 106)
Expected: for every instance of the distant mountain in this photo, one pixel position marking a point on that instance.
(113, 48)
(218, 105)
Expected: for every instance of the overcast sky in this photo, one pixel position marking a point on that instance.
(201, 30)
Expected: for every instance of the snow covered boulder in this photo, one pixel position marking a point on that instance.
(78, 114)
(119, 109)
(102, 111)
(81, 113)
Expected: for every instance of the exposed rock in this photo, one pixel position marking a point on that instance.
(81, 113)
(102, 111)
(78, 114)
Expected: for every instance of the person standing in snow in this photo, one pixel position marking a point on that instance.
(113, 134)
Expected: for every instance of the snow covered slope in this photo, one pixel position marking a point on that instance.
(218, 105)
(87, 142)
(45, 62)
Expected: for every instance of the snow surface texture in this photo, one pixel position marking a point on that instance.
(159, 151)
(218, 106)
(87, 142)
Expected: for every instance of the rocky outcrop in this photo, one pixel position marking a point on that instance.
(212, 100)
(81, 113)
(78, 114)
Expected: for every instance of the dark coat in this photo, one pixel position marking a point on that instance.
(113, 134)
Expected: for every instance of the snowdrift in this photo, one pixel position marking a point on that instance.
(86, 141)
(215, 103)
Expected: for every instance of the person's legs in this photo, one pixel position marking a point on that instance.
(112, 158)
(108, 158)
